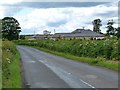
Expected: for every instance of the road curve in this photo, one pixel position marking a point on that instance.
(44, 70)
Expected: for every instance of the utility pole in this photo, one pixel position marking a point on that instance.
(54, 31)
(83, 27)
(34, 32)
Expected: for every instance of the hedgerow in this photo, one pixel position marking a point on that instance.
(106, 49)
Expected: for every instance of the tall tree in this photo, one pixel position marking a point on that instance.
(10, 28)
(96, 25)
(111, 30)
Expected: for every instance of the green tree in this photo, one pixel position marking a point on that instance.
(96, 25)
(118, 32)
(111, 30)
(10, 28)
(0, 28)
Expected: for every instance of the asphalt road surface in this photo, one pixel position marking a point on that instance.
(44, 70)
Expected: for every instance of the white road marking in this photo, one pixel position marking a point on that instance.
(30, 61)
(41, 61)
(87, 83)
(48, 65)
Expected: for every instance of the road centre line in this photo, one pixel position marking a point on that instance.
(87, 83)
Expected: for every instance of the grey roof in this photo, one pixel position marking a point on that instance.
(37, 35)
(78, 30)
(80, 33)
(40, 36)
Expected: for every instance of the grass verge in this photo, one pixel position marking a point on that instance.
(113, 65)
(15, 72)
(0, 64)
(11, 77)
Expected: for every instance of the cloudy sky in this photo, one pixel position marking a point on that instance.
(61, 16)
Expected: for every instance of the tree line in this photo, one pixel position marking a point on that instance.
(11, 28)
(110, 29)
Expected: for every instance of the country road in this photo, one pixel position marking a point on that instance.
(44, 70)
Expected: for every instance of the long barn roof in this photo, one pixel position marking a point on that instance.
(80, 33)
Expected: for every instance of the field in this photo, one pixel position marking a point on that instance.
(11, 77)
(98, 52)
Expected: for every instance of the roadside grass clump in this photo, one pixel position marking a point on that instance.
(11, 77)
(95, 52)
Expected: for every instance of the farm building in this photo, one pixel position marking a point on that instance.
(76, 34)
(80, 34)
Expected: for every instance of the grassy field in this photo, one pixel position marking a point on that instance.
(101, 52)
(11, 77)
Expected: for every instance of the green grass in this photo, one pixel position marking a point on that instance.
(11, 66)
(113, 65)
(15, 73)
(0, 63)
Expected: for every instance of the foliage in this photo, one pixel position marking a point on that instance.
(96, 25)
(10, 66)
(10, 28)
(107, 49)
(118, 32)
(0, 29)
(22, 37)
(111, 29)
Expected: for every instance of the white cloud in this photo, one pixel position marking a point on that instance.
(114, 18)
(9, 1)
(2, 12)
(75, 17)
(6, 10)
